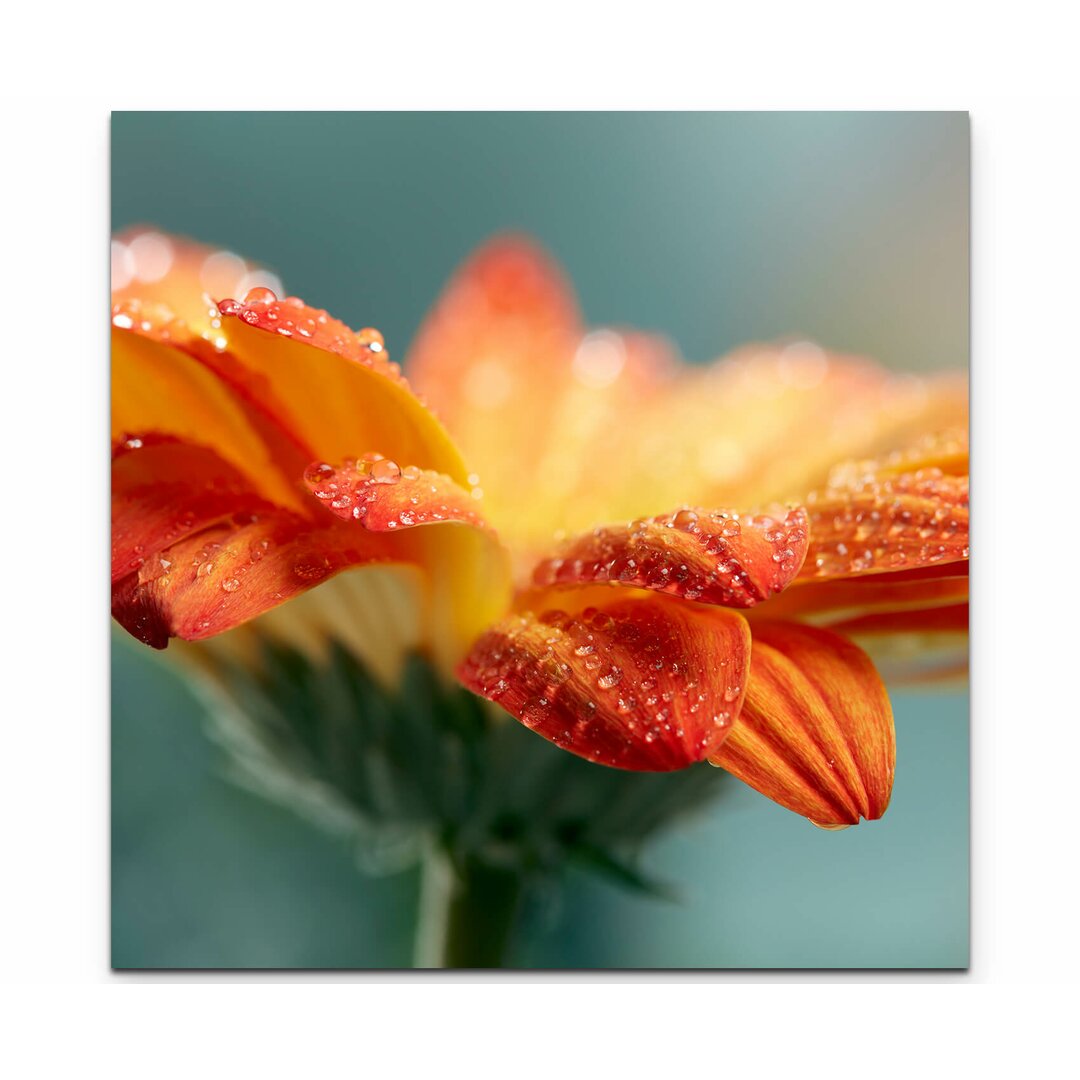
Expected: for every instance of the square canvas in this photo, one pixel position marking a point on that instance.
(539, 540)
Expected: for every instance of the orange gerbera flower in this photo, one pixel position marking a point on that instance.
(781, 502)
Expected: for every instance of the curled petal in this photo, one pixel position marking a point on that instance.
(197, 551)
(231, 572)
(382, 496)
(816, 729)
(640, 682)
(164, 490)
(160, 387)
(716, 557)
(333, 389)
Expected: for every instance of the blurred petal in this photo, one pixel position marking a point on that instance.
(374, 611)
(816, 730)
(947, 618)
(638, 681)
(827, 602)
(567, 427)
(492, 357)
(184, 277)
(716, 557)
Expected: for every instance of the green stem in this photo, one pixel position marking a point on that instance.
(468, 910)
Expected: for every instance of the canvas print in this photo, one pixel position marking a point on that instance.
(539, 540)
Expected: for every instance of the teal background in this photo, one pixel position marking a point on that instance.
(847, 228)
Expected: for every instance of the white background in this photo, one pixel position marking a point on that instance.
(64, 72)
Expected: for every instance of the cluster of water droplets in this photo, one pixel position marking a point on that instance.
(378, 493)
(905, 521)
(616, 689)
(292, 318)
(715, 556)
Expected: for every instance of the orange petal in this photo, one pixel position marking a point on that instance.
(872, 523)
(493, 358)
(566, 428)
(334, 389)
(641, 682)
(160, 387)
(382, 496)
(716, 557)
(816, 729)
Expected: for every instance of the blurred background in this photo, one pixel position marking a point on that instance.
(850, 229)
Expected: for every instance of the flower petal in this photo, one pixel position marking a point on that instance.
(164, 490)
(816, 730)
(234, 570)
(566, 427)
(493, 357)
(825, 603)
(197, 551)
(717, 557)
(903, 522)
(381, 496)
(469, 567)
(333, 388)
(181, 276)
(160, 387)
(636, 681)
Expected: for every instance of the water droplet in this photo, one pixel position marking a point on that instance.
(385, 471)
(610, 678)
(231, 584)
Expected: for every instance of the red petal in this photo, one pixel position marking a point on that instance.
(197, 551)
(234, 571)
(947, 618)
(641, 682)
(716, 557)
(826, 602)
(164, 490)
(816, 729)
(381, 496)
